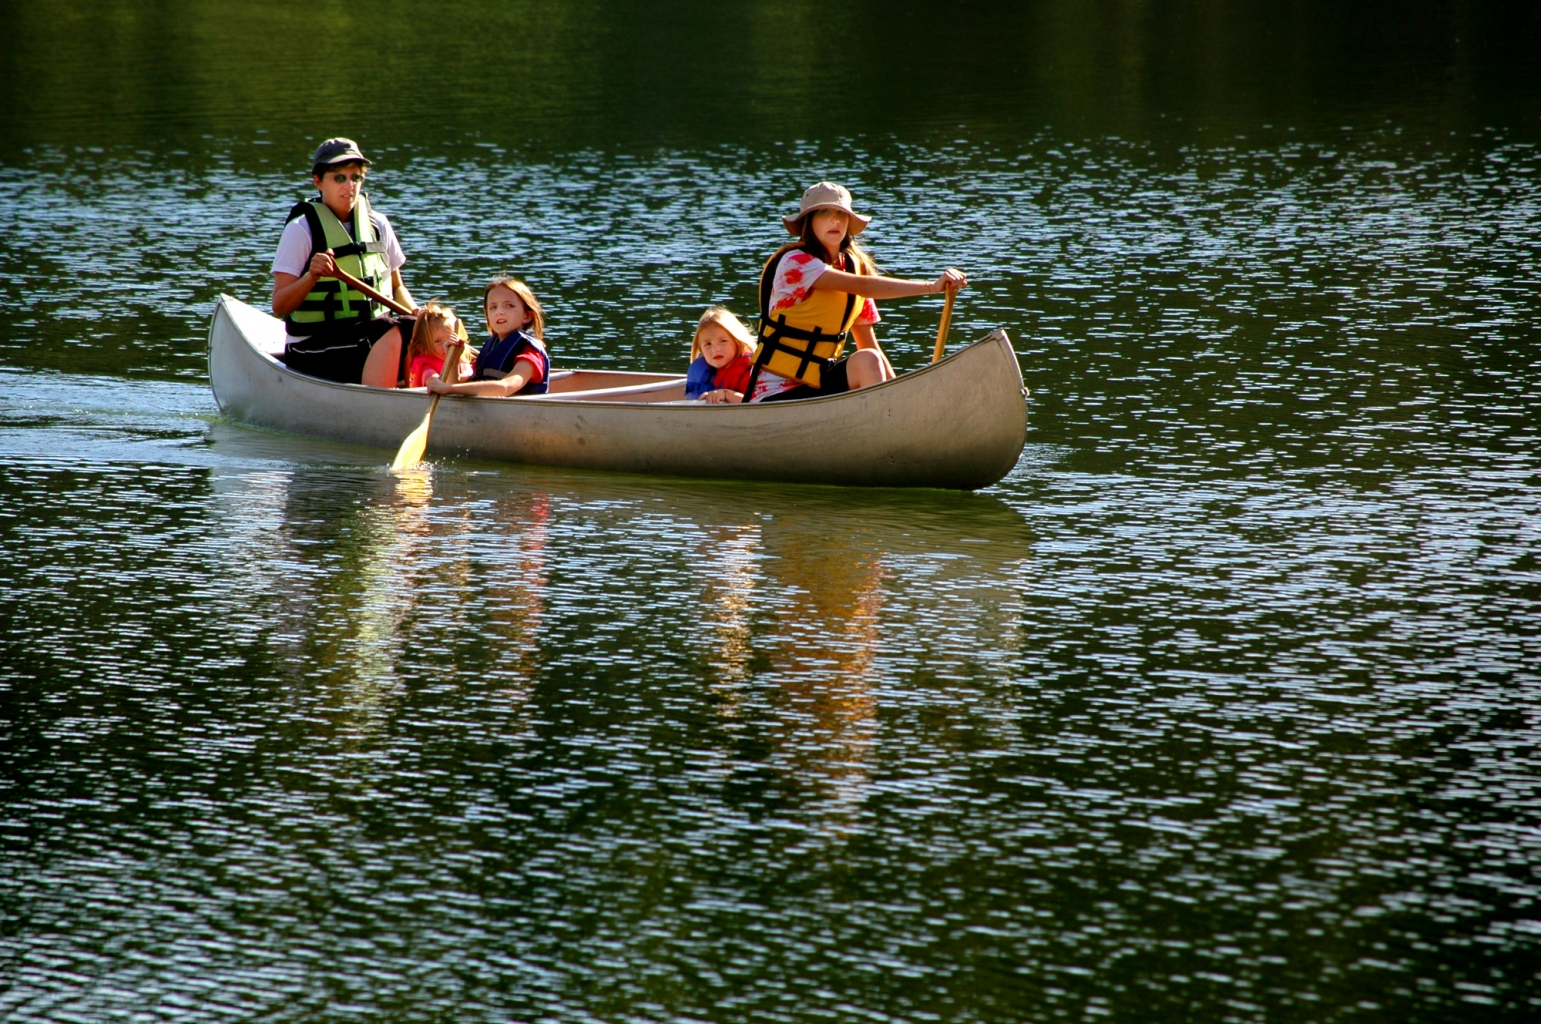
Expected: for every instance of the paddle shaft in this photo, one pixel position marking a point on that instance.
(941, 332)
(451, 369)
(451, 373)
(380, 297)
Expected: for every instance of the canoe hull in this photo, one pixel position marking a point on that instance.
(960, 423)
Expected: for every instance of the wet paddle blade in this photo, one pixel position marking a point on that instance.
(411, 451)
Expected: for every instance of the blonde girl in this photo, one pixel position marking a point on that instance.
(720, 357)
(432, 335)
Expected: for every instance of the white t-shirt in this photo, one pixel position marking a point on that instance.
(294, 246)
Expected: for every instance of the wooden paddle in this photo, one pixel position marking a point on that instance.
(412, 447)
(380, 297)
(941, 332)
(411, 451)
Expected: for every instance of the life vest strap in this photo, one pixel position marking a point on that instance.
(771, 340)
(779, 328)
(358, 249)
(331, 292)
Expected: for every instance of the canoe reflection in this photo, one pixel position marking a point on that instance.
(802, 635)
(793, 609)
(364, 583)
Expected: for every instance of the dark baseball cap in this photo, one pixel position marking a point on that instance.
(337, 151)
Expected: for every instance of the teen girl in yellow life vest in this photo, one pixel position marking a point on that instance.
(816, 293)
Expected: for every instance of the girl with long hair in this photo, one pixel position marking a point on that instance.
(815, 294)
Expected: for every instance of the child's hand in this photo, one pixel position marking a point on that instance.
(436, 385)
(722, 396)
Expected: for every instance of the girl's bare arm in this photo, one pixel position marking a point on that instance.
(872, 287)
(502, 388)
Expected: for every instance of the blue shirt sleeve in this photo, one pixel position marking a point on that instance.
(698, 379)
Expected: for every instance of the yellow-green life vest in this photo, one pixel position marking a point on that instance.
(796, 342)
(360, 254)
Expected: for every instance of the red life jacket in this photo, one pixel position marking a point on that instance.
(734, 376)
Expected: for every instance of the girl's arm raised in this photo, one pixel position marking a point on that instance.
(872, 287)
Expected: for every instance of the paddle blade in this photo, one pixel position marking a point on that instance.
(411, 451)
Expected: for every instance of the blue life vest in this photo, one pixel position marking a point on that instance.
(496, 360)
(698, 379)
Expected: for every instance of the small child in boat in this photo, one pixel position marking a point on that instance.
(432, 335)
(513, 359)
(719, 358)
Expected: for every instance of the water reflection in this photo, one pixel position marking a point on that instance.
(505, 712)
(510, 583)
(729, 567)
(813, 645)
(440, 571)
(367, 591)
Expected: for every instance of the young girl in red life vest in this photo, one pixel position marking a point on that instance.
(818, 291)
(513, 359)
(432, 335)
(719, 358)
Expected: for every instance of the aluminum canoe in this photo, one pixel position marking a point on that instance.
(960, 423)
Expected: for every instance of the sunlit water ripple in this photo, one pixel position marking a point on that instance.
(1224, 703)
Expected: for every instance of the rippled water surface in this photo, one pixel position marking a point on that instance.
(1222, 706)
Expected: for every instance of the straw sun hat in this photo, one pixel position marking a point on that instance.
(826, 195)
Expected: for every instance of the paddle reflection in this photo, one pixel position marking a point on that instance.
(458, 587)
(508, 586)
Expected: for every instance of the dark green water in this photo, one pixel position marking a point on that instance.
(1223, 706)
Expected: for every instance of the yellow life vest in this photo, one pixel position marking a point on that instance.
(360, 254)
(797, 342)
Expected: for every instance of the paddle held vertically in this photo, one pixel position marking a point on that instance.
(941, 331)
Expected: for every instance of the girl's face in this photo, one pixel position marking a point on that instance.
(506, 312)
(443, 335)
(718, 347)
(829, 227)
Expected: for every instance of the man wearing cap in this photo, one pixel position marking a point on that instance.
(335, 332)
